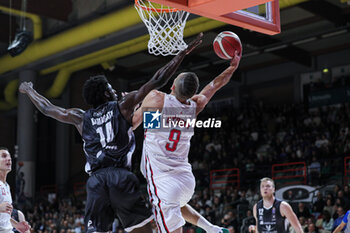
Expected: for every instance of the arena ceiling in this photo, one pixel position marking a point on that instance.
(309, 29)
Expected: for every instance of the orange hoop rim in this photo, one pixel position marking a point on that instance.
(145, 8)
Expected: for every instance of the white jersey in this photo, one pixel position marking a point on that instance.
(5, 196)
(167, 148)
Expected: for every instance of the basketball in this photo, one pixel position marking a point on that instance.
(226, 44)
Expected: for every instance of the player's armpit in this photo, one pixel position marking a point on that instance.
(76, 116)
(153, 100)
(137, 118)
(73, 116)
(201, 102)
(129, 102)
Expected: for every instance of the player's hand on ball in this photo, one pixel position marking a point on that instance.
(235, 60)
(25, 86)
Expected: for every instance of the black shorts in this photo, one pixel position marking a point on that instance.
(114, 192)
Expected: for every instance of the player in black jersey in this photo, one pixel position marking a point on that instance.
(112, 189)
(271, 214)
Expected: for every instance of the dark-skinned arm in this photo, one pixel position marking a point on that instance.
(73, 116)
(159, 79)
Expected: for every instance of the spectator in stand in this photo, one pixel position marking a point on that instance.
(217, 206)
(345, 200)
(231, 229)
(325, 170)
(303, 211)
(209, 214)
(314, 171)
(303, 224)
(327, 223)
(336, 188)
(340, 213)
(312, 228)
(340, 202)
(310, 220)
(319, 204)
(330, 207)
(321, 142)
(347, 192)
(343, 226)
(347, 146)
(230, 219)
(247, 221)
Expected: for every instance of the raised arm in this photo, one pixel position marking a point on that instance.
(287, 211)
(159, 79)
(209, 90)
(73, 116)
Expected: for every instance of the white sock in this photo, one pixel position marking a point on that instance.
(216, 229)
(204, 224)
(207, 226)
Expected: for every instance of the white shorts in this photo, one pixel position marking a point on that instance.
(168, 194)
(6, 231)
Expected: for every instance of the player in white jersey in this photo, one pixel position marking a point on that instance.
(172, 153)
(165, 151)
(6, 222)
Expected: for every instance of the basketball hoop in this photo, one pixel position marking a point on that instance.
(165, 26)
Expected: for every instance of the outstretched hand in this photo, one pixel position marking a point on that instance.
(194, 43)
(25, 86)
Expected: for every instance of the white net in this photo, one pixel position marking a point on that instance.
(165, 26)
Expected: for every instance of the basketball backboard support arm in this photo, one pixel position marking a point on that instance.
(231, 12)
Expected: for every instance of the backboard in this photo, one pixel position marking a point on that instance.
(257, 15)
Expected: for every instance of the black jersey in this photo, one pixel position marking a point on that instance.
(108, 138)
(270, 220)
